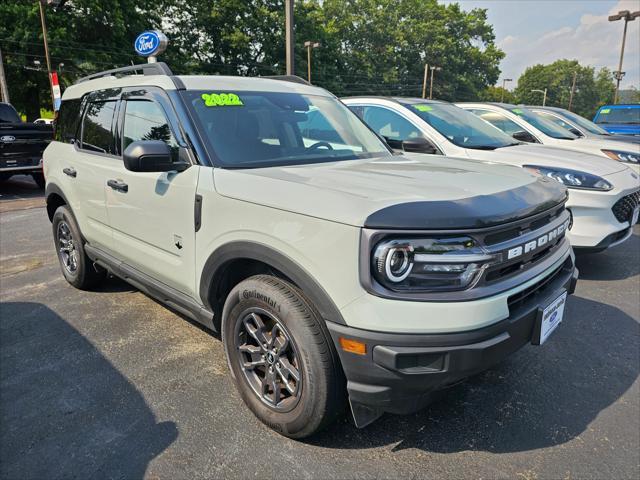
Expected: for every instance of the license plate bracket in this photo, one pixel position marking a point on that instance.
(548, 319)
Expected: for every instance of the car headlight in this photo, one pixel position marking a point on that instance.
(621, 156)
(572, 178)
(429, 264)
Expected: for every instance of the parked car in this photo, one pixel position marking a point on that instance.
(527, 126)
(21, 145)
(580, 126)
(604, 194)
(43, 121)
(619, 119)
(329, 264)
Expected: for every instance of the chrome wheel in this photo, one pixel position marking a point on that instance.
(67, 249)
(268, 358)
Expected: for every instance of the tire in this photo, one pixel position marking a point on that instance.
(76, 267)
(313, 401)
(38, 177)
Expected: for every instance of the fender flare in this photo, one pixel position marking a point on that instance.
(51, 189)
(214, 266)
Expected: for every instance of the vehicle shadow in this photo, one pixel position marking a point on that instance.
(538, 398)
(617, 263)
(20, 187)
(65, 410)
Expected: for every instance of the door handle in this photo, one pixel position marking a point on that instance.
(119, 186)
(70, 171)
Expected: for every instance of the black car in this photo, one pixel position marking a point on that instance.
(21, 145)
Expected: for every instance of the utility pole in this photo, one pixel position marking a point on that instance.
(504, 82)
(290, 41)
(424, 80)
(627, 16)
(573, 89)
(433, 69)
(309, 46)
(4, 90)
(46, 49)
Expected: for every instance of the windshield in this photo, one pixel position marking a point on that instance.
(461, 127)
(582, 122)
(8, 114)
(628, 115)
(261, 129)
(545, 126)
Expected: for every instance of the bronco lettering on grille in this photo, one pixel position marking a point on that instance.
(538, 242)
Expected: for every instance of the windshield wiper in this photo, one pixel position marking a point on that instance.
(482, 147)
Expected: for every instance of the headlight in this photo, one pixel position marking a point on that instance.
(429, 264)
(621, 156)
(572, 178)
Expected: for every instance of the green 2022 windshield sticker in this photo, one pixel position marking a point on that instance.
(423, 108)
(604, 111)
(517, 111)
(221, 99)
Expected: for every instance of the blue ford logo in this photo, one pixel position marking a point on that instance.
(553, 316)
(150, 43)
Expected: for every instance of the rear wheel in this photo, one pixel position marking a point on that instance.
(77, 268)
(281, 357)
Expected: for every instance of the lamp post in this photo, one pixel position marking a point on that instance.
(504, 81)
(433, 69)
(544, 95)
(627, 16)
(310, 45)
(46, 44)
(424, 80)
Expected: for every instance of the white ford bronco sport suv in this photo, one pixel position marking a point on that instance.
(333, 268)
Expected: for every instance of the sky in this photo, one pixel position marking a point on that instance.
(542, 31)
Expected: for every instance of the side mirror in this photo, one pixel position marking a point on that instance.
(576, 132)
(151, 156)
(524, 136)
(419, 145)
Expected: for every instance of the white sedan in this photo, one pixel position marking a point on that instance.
(527, 126)
(604, 194)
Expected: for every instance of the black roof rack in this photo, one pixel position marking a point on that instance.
(158, 68)
(288, 78)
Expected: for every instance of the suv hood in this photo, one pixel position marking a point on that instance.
(404, 191)
(546, 156)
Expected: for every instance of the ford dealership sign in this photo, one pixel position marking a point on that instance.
(150, 43)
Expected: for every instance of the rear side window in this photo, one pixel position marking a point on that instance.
(145, 120)
(66, 125)
(97, 134)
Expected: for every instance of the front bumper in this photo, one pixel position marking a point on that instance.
(399, 372)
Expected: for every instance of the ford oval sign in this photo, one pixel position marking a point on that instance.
(150, 43)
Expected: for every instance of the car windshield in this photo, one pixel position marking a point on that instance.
(582, 122)
(545, 126)
(461, 127)
(261, 129)
(628, 115)
(8, 114)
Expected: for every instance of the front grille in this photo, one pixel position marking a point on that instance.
(518, 299)
(523, 227)
(623, 208)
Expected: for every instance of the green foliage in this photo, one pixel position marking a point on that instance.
(592, 90)
(496, 94)
(367, 46)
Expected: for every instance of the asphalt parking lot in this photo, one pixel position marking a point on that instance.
(110, 384)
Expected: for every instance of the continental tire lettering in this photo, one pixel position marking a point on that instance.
(246, 294)
(221, 99)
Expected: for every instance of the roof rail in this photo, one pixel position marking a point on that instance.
(288, 78)
(158, 68)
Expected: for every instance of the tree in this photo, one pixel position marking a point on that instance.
(84, 35)
(496, 94)
(591, 90)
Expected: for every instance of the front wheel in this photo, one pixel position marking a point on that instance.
(281, 357)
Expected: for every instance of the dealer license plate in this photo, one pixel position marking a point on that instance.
(551, 317)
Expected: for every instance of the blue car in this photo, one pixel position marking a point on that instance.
(619, 119)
